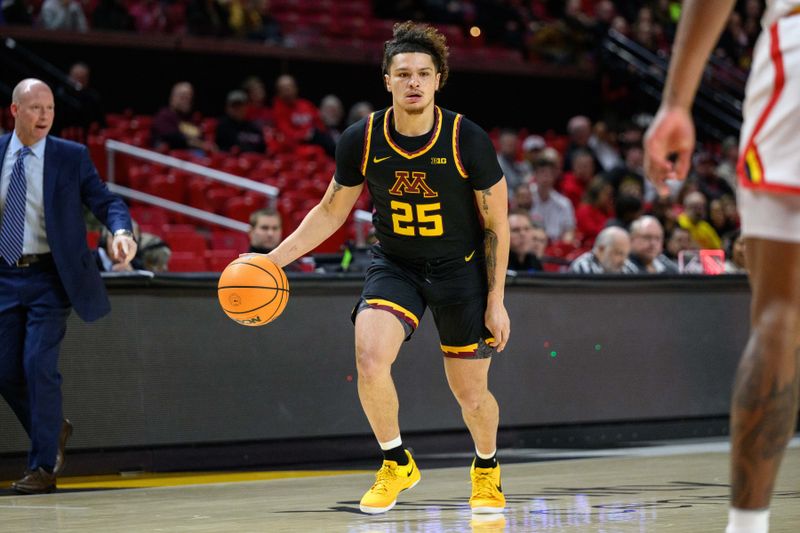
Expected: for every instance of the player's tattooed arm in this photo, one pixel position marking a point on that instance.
(336, 188)
(490, 246)
(485, 201)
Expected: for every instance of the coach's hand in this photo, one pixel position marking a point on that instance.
(498, 323)
(124, 249)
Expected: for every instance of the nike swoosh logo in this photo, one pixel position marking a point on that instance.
(468, 257)
(376, 160)
(411, 471)
(499, 488)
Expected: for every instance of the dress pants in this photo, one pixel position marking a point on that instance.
(33, 320)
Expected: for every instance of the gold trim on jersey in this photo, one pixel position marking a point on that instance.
(462, 351)
(380, 303)
(456, 151)
(437, 129)
(755, 171)
(367, 142)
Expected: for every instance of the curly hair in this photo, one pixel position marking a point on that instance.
(413, 37)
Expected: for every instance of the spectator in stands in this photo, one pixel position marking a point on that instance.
(579, 129)
(89, 114)
(735, 259)
(522, 197)
(609, 255)
(532, 149)
(730, 158)
(297, 119)
(257, 110)
(709, 183)
(332, 112)
(521, 249)
(627, 209)
(64, 15)
(112, 15)
(266, 230)
(574, 183)
(507, 152)
(244, 19)
(17, 12)
(251, 19)
(175, 127)
(550, 207)
(693, 220)
(603, 143)
(630, 174)
(358, 111)
(595, 211)
(104, 253)
(678, 241)
(207, 18)
(647, 247)
(153, 253)
(149, 16)
(234, 131)
(718, 218)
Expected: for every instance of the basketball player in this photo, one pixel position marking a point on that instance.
(432, 175)
(764, 408)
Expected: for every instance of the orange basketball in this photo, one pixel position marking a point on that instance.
(253, 290)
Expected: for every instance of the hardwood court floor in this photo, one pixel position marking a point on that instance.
(673, 489)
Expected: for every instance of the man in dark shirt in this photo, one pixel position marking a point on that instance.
(234, 130)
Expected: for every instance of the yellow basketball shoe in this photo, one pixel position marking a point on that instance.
(390, 481)
(487, 492)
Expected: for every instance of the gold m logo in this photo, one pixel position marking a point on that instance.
(413, 183)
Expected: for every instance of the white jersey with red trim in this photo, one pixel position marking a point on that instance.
(769, 143)
(777, 9)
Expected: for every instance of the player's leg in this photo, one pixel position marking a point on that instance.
(468, 380)
(459, 308)
(765, 398)
(379, 336)
(388, 312)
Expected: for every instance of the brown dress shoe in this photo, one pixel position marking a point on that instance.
(37, 482)
(66, 433)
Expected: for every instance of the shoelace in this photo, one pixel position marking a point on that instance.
(484, 485)
(384, 476)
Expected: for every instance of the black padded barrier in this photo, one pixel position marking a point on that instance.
(167, 367)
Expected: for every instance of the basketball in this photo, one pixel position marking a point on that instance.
(253, 290)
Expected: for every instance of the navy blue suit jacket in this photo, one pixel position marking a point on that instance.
(70, 181)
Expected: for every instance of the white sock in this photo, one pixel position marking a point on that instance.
(394, 443)
(485, 455)
(747, 521)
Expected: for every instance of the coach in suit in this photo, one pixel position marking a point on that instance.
(46, 268)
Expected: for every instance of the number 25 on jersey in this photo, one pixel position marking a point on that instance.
(425, 219)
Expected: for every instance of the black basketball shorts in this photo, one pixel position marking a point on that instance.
(454, 290)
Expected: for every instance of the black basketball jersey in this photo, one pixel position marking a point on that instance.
(422, 187)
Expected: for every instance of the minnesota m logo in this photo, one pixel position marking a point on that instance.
(414, 184)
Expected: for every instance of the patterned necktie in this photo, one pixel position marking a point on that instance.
(12, 228)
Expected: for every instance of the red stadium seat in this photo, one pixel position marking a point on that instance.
(229, 240)
(217, 260)
(187, 262)
(186, 242)
(150, 216)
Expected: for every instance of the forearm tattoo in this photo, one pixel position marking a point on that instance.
(490, 245)
(336, 188)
